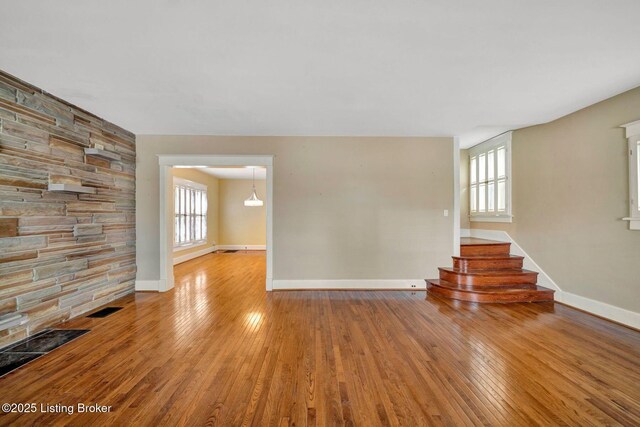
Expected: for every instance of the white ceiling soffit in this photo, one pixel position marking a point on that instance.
(236, 173)
(289, 67)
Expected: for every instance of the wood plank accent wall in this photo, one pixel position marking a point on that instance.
(62, 253)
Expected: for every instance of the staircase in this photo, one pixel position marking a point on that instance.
(485, 271)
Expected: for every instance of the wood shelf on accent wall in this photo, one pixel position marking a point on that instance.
(97, 152)
(72, 188)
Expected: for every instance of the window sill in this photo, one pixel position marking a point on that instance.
(492, 218)
(185, 247)
(634, 223)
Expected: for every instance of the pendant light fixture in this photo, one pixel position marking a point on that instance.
(253, 199)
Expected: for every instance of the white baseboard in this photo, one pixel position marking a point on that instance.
(147, 285)
(612, 312)
(151, 285)
(193, 255)
(242, 247)
(465, 232)
(348, 284)
(598, 308)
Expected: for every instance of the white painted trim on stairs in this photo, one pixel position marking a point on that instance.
(529, 263)
(242, 247)
(192, 255)
(148, 285)
(608, 311)
(410, 284)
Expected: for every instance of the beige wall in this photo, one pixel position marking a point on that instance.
(212, 205)
(570, 189)
(239, 224)
(344, 208)
(464, 189)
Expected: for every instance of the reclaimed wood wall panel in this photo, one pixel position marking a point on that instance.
(8, 227)
(62, 253)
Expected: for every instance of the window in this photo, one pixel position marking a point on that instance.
(190, 205)
(633, 139)
(490, 180)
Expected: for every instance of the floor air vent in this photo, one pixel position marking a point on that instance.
(38, 345)
(105, 312)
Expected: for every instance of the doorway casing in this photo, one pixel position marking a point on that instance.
(166, 161)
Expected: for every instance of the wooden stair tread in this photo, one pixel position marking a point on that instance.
(474, 241)
(471, 247)
(486, 272)
(488, 257)
(496, 272)
(500, 296)
(489, 289)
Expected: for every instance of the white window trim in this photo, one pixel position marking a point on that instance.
(177, 247)
(632, 133)
(187, 183)
(502, 139)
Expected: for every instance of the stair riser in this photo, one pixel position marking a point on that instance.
(483, 264)
(471, 250)
(490, 288)
(497, 280)
(538, 296)
(485, 272)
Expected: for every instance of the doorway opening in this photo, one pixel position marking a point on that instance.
(218, 210)
(214, 204)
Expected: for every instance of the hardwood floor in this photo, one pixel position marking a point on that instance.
(219, 350)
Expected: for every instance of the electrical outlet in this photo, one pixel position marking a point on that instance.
(446, 212)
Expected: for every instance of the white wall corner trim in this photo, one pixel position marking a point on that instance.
(611, 312)
(598, 308)
(147, 285)
(242, 247)
(192, 255)
(415, 284)
(456, 196)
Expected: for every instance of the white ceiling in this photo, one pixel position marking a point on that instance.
(236, 172)
(287, 67)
